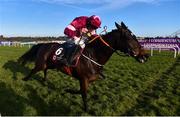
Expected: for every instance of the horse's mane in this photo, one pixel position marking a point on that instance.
(109, 33)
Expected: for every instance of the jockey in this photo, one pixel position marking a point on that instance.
(82, 25)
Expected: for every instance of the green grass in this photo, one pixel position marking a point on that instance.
(130, 88)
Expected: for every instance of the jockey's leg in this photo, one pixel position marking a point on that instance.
(73, 54)
(75, 50)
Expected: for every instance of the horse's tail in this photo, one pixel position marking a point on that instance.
(30, 55)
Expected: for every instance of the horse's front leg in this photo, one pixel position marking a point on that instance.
(83, 88)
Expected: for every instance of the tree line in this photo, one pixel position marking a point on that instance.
(27, 39)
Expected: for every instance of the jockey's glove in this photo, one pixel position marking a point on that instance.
(88, 34)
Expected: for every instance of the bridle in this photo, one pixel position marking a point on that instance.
(105, 43)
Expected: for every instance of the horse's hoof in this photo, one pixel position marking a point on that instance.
(73, 91)
(44, 80)
(85, 109)
(25, 79)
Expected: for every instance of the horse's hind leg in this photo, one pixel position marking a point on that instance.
(33, 71)
(45, 74)
(36, 69)
(84, 87)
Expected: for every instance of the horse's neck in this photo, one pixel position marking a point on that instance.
(101, 52)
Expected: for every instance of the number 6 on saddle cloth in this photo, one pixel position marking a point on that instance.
(67, 53)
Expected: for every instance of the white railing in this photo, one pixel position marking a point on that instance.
(173, 47)
(21, 44)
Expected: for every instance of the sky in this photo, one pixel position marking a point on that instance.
(50, 17)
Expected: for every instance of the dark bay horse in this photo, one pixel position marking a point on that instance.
(94, 55)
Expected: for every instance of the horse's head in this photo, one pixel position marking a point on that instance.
(128, 43)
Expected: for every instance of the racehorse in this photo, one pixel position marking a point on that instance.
(94, 56)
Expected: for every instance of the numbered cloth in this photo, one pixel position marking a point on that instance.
(64, 51)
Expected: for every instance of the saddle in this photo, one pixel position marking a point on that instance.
(67, 53)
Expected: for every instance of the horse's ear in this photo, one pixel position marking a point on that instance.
(118, 26)
(123, 25)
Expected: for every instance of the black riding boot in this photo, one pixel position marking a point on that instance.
(70, 59)
(72, 55)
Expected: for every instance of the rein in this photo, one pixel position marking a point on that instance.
(92, 60)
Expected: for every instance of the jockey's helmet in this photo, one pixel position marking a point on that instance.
(95, 21)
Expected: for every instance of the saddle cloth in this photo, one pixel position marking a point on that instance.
(66, 52)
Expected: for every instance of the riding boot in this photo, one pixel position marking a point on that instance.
(70, 60)
(72, 56)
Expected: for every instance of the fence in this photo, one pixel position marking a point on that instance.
(149, 44)
(21, 44)
(162, 44)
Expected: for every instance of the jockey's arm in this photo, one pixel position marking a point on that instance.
(89, 33)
